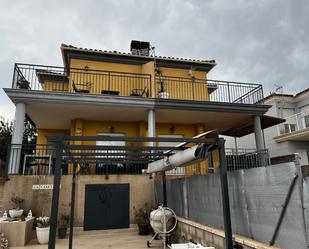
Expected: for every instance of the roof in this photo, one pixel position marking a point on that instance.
(69, 50)
(247, 127)
(286, 95)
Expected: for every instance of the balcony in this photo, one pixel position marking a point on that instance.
(99, 82)
(295, 128)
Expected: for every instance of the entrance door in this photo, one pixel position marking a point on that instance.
(106, 206)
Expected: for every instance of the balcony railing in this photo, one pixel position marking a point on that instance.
(294, 123)
(39, 159)
(208, 90)
(90, 81)
(246, 158)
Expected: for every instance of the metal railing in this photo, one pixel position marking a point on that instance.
(208, 90)
(31, 159)
(246, 158)
(76, 80)
(296, 122)
(90, 81)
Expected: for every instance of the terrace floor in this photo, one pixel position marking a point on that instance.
(112, 239)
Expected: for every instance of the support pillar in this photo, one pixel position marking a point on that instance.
(259, 140)
(151, 125)
(17, 139)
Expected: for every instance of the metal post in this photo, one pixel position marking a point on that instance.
(55, 199)
(109, 81)
(72, 206)
(164, 189)
(164, 205)
(228, 90)
(193, 81)
(225, 196)
(286, 202)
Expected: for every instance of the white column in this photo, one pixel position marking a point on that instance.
(17, 138)
(259, 141)
(151, 125)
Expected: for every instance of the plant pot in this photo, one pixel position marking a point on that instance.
(16, 213)
(143, 229)
(62, 232)
(42, 234)
(163, 95)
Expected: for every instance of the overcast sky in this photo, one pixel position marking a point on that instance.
(263, 41)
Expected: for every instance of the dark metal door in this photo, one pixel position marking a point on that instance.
(106, 206)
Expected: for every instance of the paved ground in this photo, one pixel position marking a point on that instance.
(115, 239)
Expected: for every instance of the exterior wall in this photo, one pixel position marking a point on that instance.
(39, 201)
(55, 86)
(44, 133)
(207, 236)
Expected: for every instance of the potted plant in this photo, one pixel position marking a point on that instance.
(142, 219)
(16, 212)
(163, 94)
(23, 84)
(63, 226)
(42, 229)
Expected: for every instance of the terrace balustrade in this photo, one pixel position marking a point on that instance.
(100, 82)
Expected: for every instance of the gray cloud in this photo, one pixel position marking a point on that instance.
(263, 41)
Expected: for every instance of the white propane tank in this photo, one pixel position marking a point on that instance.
(156, 219)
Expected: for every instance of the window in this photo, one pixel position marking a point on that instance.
(110, 143)
(289, 128)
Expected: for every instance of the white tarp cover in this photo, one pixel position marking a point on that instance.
(256, 199)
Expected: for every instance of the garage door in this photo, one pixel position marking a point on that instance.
(106, 206)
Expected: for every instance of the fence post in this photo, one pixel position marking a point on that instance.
(225, 195)
(14, 82)
(228, 90)
(72, 206)
(109, 81)
(193, 81)
(55, 198)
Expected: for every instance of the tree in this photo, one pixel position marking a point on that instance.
(6, 131)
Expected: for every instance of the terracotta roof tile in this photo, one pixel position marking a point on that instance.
(286, 95)
(213, 62)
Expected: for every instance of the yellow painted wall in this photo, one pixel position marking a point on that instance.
(185, 88)
(96, 82)
(115, 80)
(44, 133)
(55, 86)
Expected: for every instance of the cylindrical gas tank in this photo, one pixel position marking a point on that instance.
(156, 219)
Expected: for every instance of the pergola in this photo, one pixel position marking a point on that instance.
(79, 150)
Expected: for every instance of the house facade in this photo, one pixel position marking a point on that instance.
(132, 94)
(289, 137)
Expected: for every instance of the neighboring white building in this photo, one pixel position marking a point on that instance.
(289, 137)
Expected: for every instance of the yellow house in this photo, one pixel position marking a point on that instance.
(134, 94)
